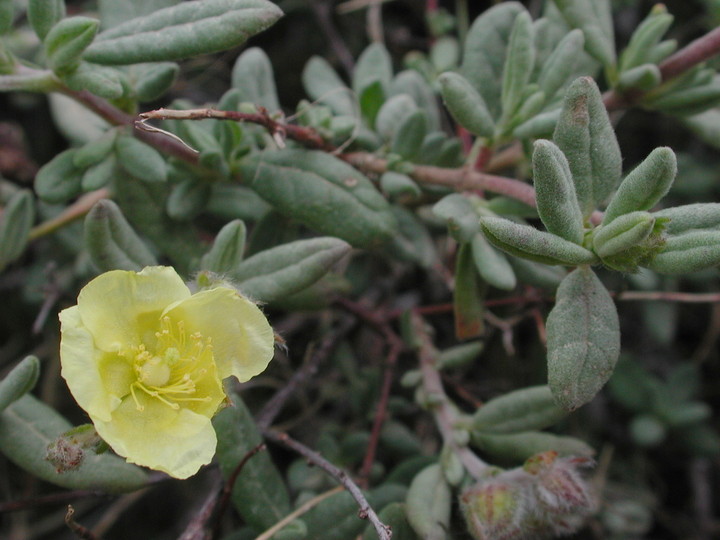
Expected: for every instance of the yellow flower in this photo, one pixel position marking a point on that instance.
(145, 358)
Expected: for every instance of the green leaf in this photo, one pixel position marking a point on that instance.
(541, 125)
(594, 18)
(323, 193)
(59, 180)
(705, 126)
(557, 202)
(445, 53)
(408, 137)
(44, 14)
(99, 80)
(95, 150)
(627, 232)
(393, 113)
(527, 409)
(468, 296)
(283, 270)
(66, 41)
(399, 185)
(485, 51)
(492, 266)
(411, 83)
(690, 216)
(325, 86)
(645, 185)
(111, 242)
(518, 64)
(371, 100)
(517, 447)
(153, 80)
(688, 252)
(429, 502)
(413, 242)
(253, 76)
(645, 37)
(462, 219)
(100, 174)
(537, 274)
(394, 516)
(227, 250)
(259, 493)
(466, 105)
(586, 137)
(231, 201)
(184, 30)
(140, 160)
(188, 199)
(583, 339)
(115, 12)
(373, 64)
(687, 101)
(529, 243)
(561, 64)
(28, 426)
(7, 15)
(15, 223)
(460, 355)
(644, 77)
(19, 381)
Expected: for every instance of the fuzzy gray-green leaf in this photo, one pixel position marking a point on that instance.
(517, 447)
(325, 86)
(530, 243)
(15, 222)
(28, 425)
(521, 410)
(140, 160)
(583, 339)
(466, 105)
(561, 63)
(19, 381)
(373, 64)
(485, 50)
(688, 252)
(557, 202)
(184, 30)
(429, 501)
(691, 216)
(44, 14)
(259, 494)
(645, 185)
(624, 233)
(587, 139)
(278, 272)
(492, 265)
(322, 192)
(594, 18)
(227, 250)
(518, 64)
(59, 180)
(462, 219)
(111, 242)
(253, 76)
(645, 37)
(67, 40)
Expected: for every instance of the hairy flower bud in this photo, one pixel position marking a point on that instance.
(494, 509)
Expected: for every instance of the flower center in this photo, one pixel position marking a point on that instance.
(172, 372)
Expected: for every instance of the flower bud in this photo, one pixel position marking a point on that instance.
(559, 488)
(67, 452)
(494, 509)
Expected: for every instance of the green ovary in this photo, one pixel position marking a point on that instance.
(174, 370)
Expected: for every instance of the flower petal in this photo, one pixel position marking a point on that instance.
(242, 339)
(80, 361)
(122, 308)
(177, 442)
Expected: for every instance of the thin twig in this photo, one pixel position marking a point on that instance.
(275, 404)
(366, 511)
(227, 489)
(669, 296)
(73, 212)
(197, 527)
(46, 500)
(79, 530)
(444, 413)
(337, 43)
(309, 505)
